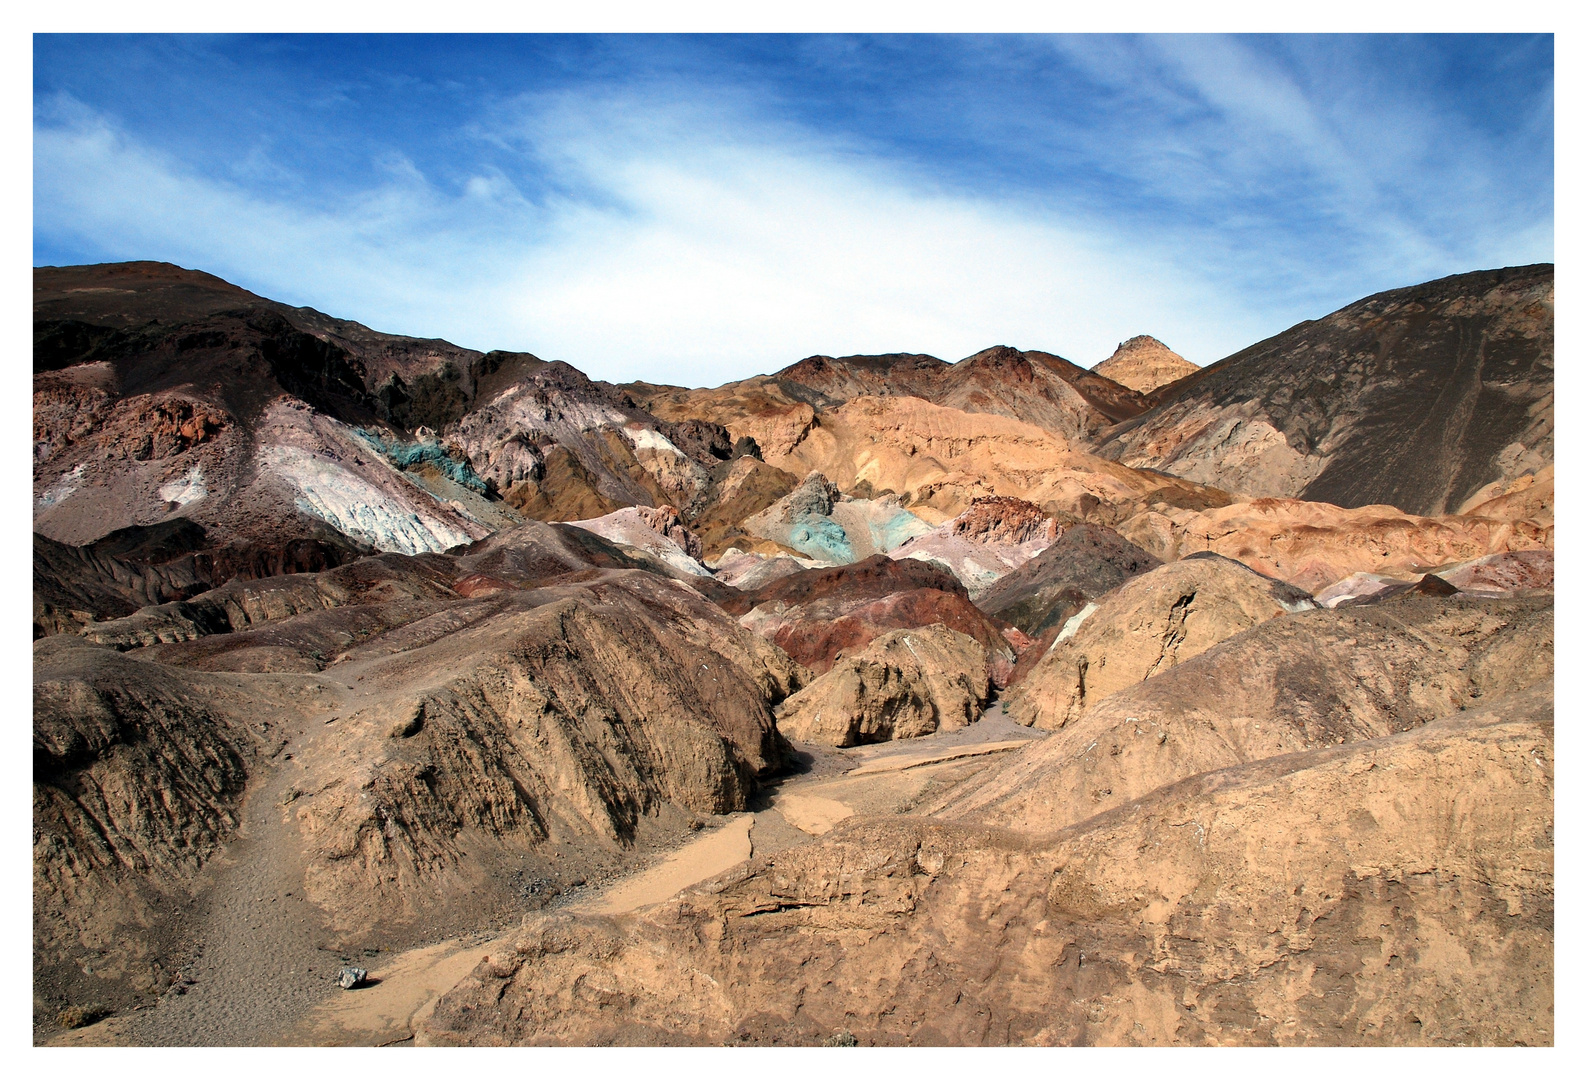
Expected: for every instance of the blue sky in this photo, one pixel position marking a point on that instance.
(698, 209)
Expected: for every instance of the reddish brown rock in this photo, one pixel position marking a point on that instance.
(817, 614)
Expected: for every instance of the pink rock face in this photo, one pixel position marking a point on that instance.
(997, 519)
(1508, 571)
(666, 521)
(995, 535)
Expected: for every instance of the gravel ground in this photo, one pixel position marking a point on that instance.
(258, 966)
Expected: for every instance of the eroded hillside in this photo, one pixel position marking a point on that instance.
(881, 700)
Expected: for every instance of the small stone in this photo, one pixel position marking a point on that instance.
(350, 977)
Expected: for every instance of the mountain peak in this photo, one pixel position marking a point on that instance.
(1143, 364)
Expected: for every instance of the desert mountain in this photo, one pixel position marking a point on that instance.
(1145, 364)
(161, 392)
(454, 722)
(1417, 398)
(879, 700)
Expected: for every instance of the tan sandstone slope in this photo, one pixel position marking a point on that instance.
(1291, 684)
(1147, 625)
(1397, 890)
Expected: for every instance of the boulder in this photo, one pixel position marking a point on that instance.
(902, 685)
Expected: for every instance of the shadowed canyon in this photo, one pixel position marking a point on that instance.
(388, 692)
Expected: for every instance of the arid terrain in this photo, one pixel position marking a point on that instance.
(880, 700)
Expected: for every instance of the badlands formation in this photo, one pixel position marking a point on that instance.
(389, 692)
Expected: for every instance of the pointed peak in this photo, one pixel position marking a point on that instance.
(1143, 364)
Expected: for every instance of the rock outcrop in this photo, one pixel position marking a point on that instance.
(1033, 386)
(1289, 685)
(1148, 625)
(452, 716)
(816, 615)
(744, 488)
(993, 536)
(1084, 562)
(1504, 574)
(902, 685)
(1145, 364)
(819, 521)
(161, 392)
(657, 531)
(1312, 545)
(138, 773)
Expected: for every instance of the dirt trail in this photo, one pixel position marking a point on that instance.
(704, 858)
(258, 965)
(406, 987)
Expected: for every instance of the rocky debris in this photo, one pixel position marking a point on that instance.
(816, 614)
(1312, 545)
(1084, 562)
(349, 978)
(1417, 398)
(1289, 685)
(1146, 626)
(902, 685)
(1100, 934)
(995, 535)
(1145, 364)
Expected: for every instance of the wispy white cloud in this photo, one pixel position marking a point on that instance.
(685, 255)
(693, 233)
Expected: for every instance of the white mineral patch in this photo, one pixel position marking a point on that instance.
(647, 439)
(189, 488)
(1074, 624)
(625, 526)
(63, 487)
(357, 508)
